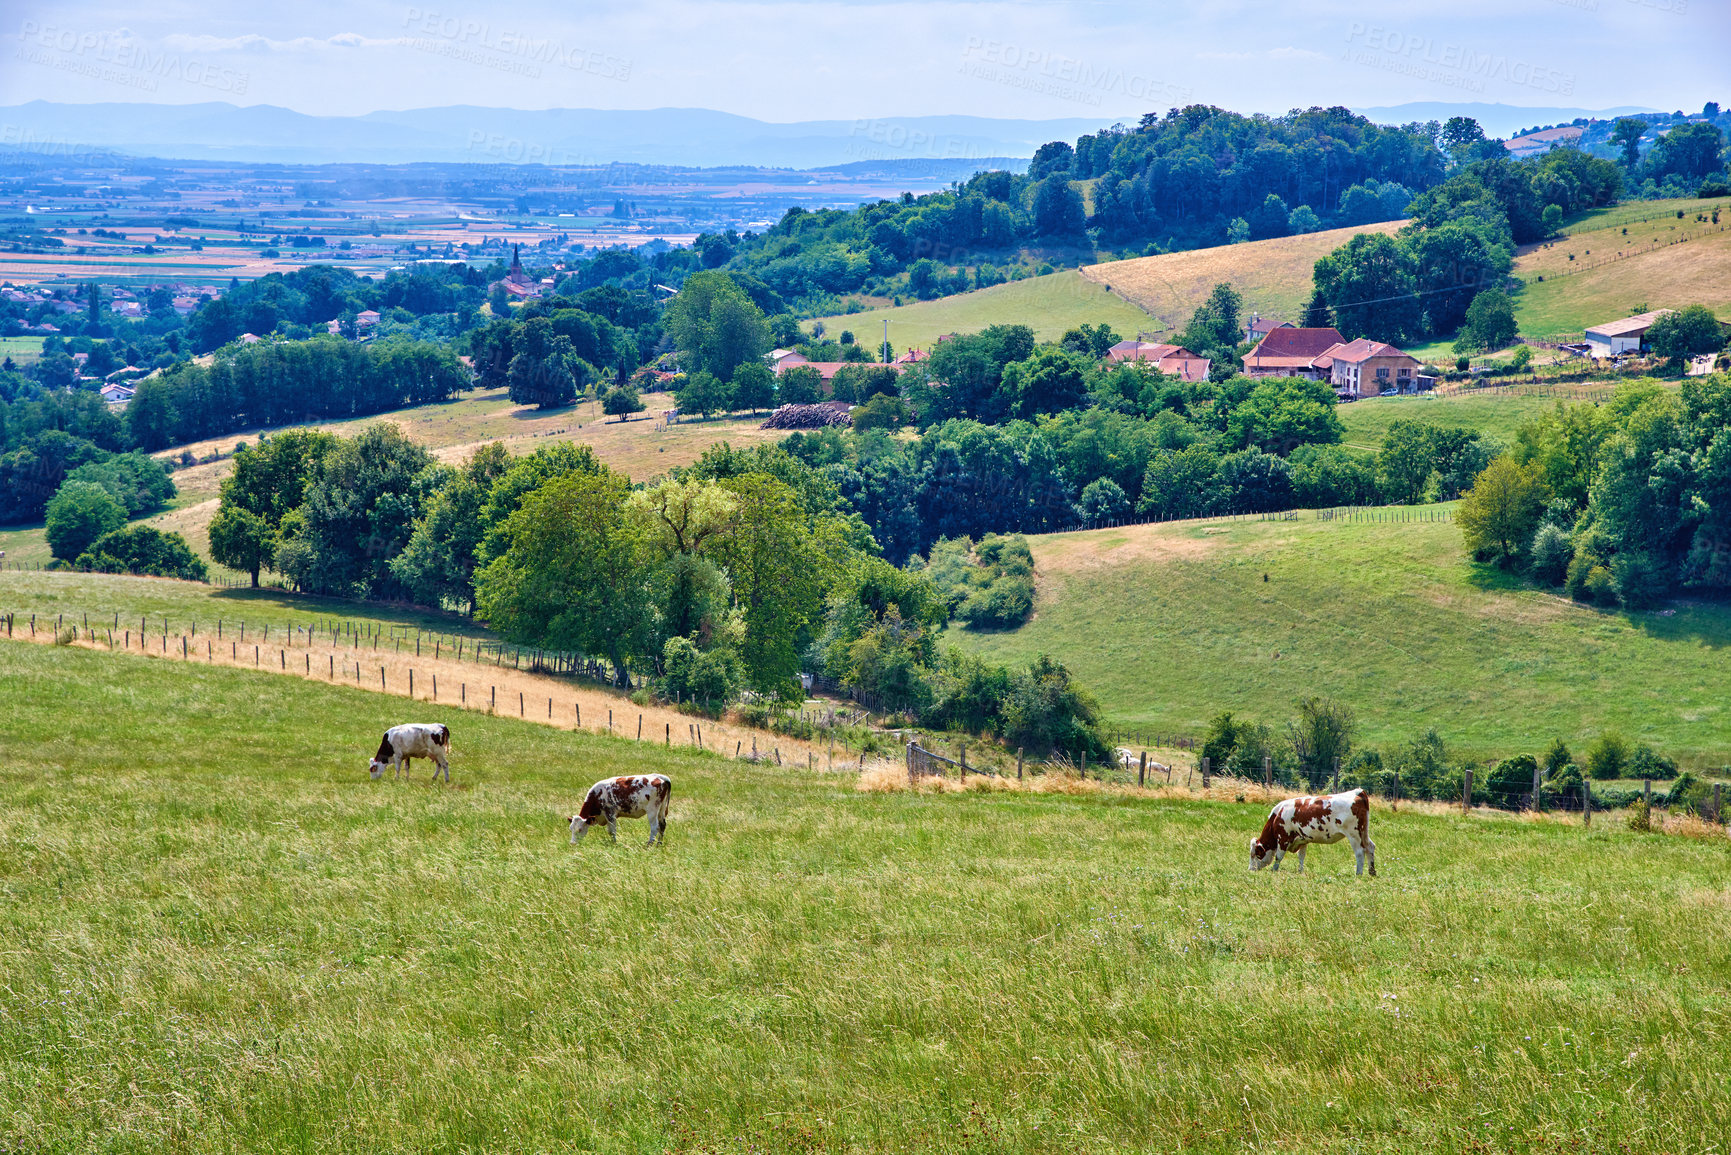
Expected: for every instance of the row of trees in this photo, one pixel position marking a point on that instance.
(735, 573)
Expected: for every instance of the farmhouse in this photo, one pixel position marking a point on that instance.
(1291, 352)
(117, 394)
(1174, 360)
(1365, 368)
(1615, 338)
(1257, 328)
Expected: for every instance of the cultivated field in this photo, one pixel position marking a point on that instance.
(1171, 624)
(1274, 275)
(1049, 305)
(218, 935)
(1625, 259)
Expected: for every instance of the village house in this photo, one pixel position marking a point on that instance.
(1365, 368)
(1616, 338)
(1257, 328)
(1291, 352)
(1173, 360)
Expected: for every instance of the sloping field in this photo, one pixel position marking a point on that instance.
(1171, 624)
(218, 935)
(1273, 275)
(1495, 413)
(1049, 305)
(1626, 260)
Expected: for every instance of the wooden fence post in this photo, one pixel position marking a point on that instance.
(640, 727)
(1467, 790)
(1717, 788)
(1538, 797)
(1647, 792)
(1019, 765)
(964, 762)
(1142, 769)
(1206, 766)
(1586, 803)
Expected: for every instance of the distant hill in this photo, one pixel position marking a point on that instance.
(561, 136)
(1273, 275)
(1499, 120)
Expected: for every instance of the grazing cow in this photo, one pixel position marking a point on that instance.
(631, 796)
(1298, 822)
(1126, 757)
(413, 740)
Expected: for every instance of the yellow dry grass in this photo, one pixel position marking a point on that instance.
(1274, 276)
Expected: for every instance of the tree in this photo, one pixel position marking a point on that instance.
(1283, 413)
(1688, 332)
(78, 514)
(573, 575)
(146, 550)
(242, 540)
(1490, 322)
(715, 325)
(779, 576)
(360, 511)
(1511, 780)
(1608, 756)
(1048, 382)
(1058, 209)
(438, 565)
(1371, 286)
(1627, 132)
(1102, 501)
(270, 478)
(1499, 513)
(1321, 737)
(798, 385)
(1459, 137)
(753, 386)
(1303, 220)
(703, 394)
(622, 401)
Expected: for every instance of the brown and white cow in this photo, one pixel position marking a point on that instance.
(631, 796)
(1298, 822)
(413, 740)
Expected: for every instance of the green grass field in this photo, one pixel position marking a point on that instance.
(1171, 624)
(1049, 305)
(22, 350)
(218, 935)
(1495, 413)
(1650, 269)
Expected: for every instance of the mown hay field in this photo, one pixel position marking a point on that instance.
(1274, 276)
(218, 935)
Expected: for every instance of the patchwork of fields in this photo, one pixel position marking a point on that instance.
(218, 935)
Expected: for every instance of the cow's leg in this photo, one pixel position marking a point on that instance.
(1358, 855)
(1301, 851)
(613, 826)
(1279, 854)
(1371, 847)
(444, 768)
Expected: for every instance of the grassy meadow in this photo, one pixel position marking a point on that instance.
(1650, 269)
(1049, 305)
(218, 935)
(1495, 413)
(1171, 624)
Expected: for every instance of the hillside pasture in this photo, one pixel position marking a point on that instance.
(1495, 413)
(1626, 260)
(1171, 624)
(218, 935)
(1274, 276)
(1049, 305)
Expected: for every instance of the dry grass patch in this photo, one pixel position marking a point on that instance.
(1274, 275)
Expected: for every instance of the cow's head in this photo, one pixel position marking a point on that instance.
(1260, 855)
(376, 768)
(579, 827)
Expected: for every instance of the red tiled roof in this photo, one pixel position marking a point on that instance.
(1292, 348)
(1357, 352)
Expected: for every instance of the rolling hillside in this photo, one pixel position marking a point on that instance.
(1171, 624)
(1273, 275)
(1622, 260)
(1049, 305)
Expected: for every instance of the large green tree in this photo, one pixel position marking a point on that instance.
(574, 573)
(1499, 513)
(1370, 287)
(715, 324)
(1687, 332)
(78, 514)
(438, 564)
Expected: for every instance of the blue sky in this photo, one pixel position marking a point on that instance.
(810, 59)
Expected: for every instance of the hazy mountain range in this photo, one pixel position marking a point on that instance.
(692, 137)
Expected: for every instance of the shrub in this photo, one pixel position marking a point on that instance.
(1551, 553)
(145, 550)
(1608, 757)
(1645, 763)
(1510, 780)
(1640, 816)
(1600, 587)
(1102, 500)
(78, 514)
(710, 676)
(621, 401)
